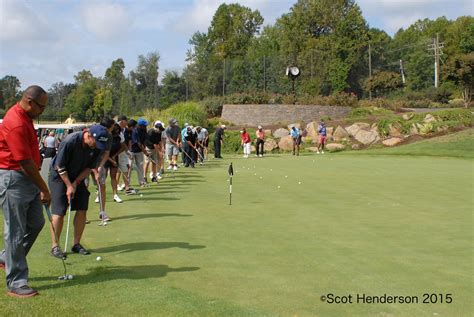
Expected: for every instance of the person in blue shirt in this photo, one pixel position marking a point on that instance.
(184, 144)
(296, 136)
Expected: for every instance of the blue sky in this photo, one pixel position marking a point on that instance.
(47, 41)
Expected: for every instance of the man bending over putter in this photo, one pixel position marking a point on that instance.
(77, 155)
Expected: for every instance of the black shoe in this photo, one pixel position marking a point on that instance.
(154, 180)
(57, 253)
(23, 292)
(78, 248)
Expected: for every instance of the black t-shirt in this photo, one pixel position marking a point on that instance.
(115, 145)
(219, 133)
(138, 137)
(127, 135)
(153, 136)
(191, 137)
(74, 156)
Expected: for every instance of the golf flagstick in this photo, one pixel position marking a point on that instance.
(231, 173)
(50, 217)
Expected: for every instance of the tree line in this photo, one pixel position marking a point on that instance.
(328, 40)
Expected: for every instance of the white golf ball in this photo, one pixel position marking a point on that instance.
(271, 170)
(261, 177)
(278, 186)
(99, 258)
(70, 277)
(255, 174)
(299, 183)
(105, 223)
(286, 176)
(141, 195)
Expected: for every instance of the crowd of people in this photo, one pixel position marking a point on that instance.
(111, 148)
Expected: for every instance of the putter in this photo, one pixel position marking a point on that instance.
(67, 227)
(50, 218)
(189, 157)
(102, 223)
(200, 156)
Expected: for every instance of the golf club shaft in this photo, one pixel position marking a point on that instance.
(50, 218)
(67, 227)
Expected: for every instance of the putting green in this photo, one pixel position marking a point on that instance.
(340, 224)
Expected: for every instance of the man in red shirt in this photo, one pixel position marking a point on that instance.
(246, 142)
(22, 189)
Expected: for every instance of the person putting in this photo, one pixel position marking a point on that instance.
(218, 141)
(78, 154)
(173, 138)
(296, 137)
(322, 131)
(246, 142)
(259, 143)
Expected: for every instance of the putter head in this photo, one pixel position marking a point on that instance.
(62, 277)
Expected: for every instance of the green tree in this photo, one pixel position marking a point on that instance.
(81, 99)
(461, 71)
(173, 89)
(9, 91)
(383, 82)
(57, 95)
(145, 79)
(113, 79)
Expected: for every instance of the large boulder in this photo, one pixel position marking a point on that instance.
(367, 137)
(280, 133)
(353, 129)
(334, 147)
(394, 130)
(414, 129)
(340, 134)
(392, 141)
(312, 129)
(329, 133)
(408, 116)
(270, 145)
(286, 143)
(429, 118)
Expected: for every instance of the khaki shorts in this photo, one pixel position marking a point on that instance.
(152, 155)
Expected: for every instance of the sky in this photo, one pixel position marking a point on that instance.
(48, 41)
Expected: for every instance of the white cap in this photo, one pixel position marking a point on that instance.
(223, 126)
(260, 127)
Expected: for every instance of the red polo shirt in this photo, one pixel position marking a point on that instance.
(18, 140)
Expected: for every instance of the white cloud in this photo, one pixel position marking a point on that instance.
(19, 23)
(107, 21)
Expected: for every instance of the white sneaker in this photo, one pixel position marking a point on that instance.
(117, 199)
(97, 199)
(317, 152)
(322, 152)
(121, 187)
(260, 155)
(169, 167)
(158, 176)
(151, 174)
(175, 168)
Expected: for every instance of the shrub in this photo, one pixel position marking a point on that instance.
(343, 99)
(231, 142)
(212, 105)
(190, 112)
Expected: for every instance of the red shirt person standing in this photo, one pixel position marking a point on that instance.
(22, 190)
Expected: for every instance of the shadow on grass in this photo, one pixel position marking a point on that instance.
(142, 216)
(139, 246)
(110, 273)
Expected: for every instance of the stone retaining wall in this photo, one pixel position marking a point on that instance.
(253, 115)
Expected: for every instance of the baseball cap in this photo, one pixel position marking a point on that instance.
(158, 124)
(142, 121)
(260, 127)
(186, 124)
(122, 118)
(223, 126)
(100, 134)
(173, 121)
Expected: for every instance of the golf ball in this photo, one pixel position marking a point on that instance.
(99, 258)
(278, 186)
(70, 277)
(286, 176)
(299, 183)
(105, 223)
(141, 195)
(261, 177)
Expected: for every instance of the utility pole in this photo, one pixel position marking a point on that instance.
(402, 72)
(436, 47)
(370, 70)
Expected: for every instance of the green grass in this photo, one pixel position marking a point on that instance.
(356, 224)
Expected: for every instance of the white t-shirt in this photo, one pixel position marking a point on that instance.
(203, 134)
